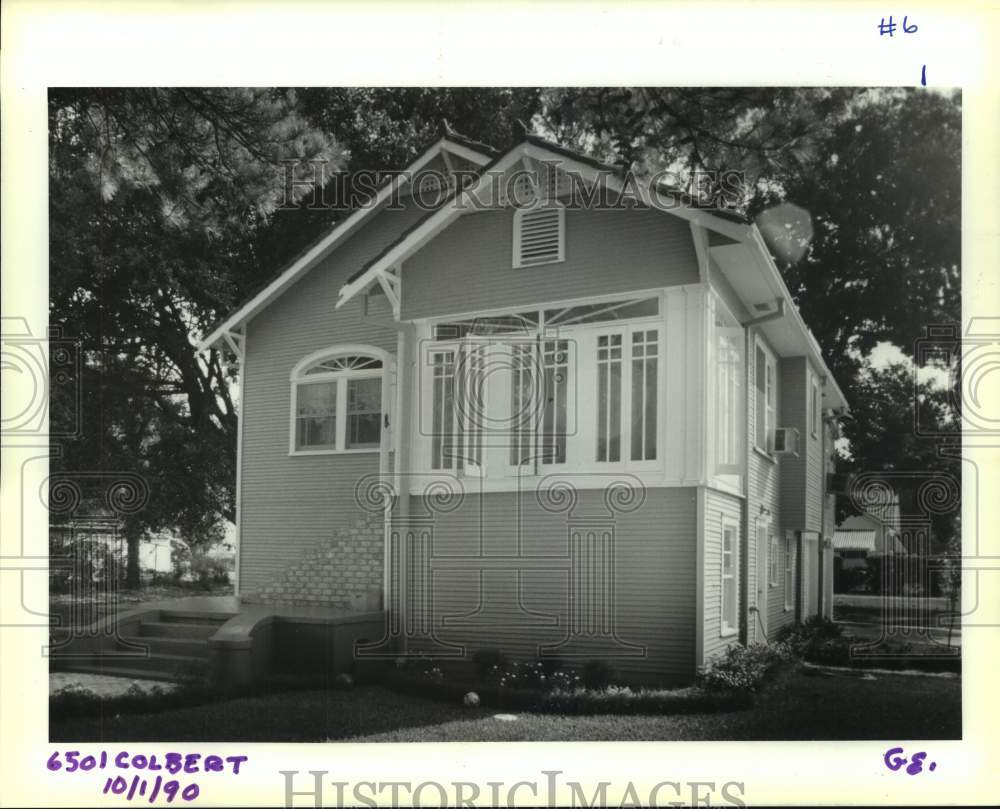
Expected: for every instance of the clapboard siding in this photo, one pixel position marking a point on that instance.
(764, 491)
(814, 471)
(288, 504)
(468, 267)
(655, 577)
(719, 507)
(794, 398)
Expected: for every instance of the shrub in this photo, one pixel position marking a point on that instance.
(743, 668)
(208, 571)
(598, 674)
(828, 651)
(801, 637)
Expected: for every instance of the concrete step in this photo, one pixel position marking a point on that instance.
(200, 618)
(191, 647)
(154, 667)
(174, 629)
(84, 667)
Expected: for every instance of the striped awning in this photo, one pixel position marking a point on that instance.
(854, 539)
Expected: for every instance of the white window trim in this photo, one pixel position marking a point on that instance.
(769, 427)
(297, 377)
(425, 333)
(773, 546)
(740, 414)
(516, 240)
(789, 579)
(814, 415)
(725, 630)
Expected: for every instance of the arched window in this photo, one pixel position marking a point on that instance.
(338, 401)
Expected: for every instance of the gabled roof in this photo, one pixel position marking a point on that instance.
(307, 258)
(531, 148)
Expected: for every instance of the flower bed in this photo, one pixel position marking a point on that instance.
(546, 687)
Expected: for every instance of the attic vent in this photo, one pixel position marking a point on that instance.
(539, 235)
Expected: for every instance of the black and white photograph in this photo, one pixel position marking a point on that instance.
(382, 413)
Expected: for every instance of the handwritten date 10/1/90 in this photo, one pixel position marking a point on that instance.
(895, 760)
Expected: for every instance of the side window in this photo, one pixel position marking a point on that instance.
(772, 561)
(766, 398)
(336, 402)
(730, 589)
(814, 406)
(789, 569)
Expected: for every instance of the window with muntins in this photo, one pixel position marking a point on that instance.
(727, 398)
(729, 579)
(337, 403)
(772, 561)
(766, 399)
(789, 581)
(573, 386)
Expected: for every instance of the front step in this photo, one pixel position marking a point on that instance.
(171, 646)
(155, 667)
(174, 629)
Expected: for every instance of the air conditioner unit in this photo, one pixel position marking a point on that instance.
(786, 441)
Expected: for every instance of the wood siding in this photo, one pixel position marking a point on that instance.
(468, 267)
(794, 413)
(289, 503)
(485, 546)
(764, 492)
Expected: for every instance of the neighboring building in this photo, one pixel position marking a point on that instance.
(606, 432)
(859, 537)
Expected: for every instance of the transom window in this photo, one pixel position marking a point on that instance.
(337, 402)
(577, 385)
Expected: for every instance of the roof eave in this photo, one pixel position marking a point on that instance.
(338, 233)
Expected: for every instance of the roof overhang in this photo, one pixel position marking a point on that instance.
(228, 330)
(751, 271)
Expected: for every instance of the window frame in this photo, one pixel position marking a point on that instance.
(770, 402)
(773, 547)
(729, 524)
(816, 406)
(581, 450)
(299, 376)
(723, 381)
(789, 582)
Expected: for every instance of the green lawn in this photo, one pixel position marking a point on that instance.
(795, 707)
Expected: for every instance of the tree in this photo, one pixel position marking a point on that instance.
(888, 405)
(154, 194)
(871, 250)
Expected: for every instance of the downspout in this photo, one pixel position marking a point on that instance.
(400, 482)
(748, 335)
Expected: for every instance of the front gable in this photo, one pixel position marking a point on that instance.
(470, 265)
